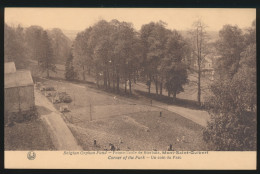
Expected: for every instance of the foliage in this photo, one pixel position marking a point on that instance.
(117, 53)
(46, 61)
(153, 38)
(63, 97)
(70, 73)
(33, 35)
(61, 45)
(233, 104)
(172, 66)
(24, 45)
(111, 50)
(229, 46)
(82, 52)
(14, 48)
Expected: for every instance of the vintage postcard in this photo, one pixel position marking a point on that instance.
(130, 88)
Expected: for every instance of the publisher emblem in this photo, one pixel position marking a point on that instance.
(31, 155)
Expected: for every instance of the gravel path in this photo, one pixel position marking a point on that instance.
(198, 116)
(60, 133)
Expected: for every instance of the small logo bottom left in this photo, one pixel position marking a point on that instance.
(31, 155)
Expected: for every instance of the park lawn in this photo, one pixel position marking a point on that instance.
(140, 131)
(29, 135)
(107, 118)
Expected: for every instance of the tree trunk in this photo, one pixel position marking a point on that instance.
(156, 85)
(117, 81)
(161, 88)
(48, 75)
(199, 89)
(130, 90)
(97, 79)
(199, 63)
(125, 85)
(83, 73)
(105, 79)
(113, 77)
(169, 94)
(108, 79)
(150, 82)
(174, 96)
(135, 77)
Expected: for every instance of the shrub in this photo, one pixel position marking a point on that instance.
(64, 97)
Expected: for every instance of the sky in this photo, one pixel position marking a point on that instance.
(81, 18)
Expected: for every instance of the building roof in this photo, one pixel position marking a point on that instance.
(18, 79)
(9, 67)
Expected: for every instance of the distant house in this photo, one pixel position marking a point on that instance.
(207, 66)
(19, 89)
(207, 69)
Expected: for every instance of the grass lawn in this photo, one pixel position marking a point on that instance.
(116, 117)
(140, 131)
(30, 135)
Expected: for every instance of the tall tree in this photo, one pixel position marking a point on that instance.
(33, 36)
(154, 38)
(46, 61)
(173, 65)
(61, 45)
(14, 46)
(70, 73)
(199, 49)
(101, 45)
(126, 47)
(82, 52)
(229, 46)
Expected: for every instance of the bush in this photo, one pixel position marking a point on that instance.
(63, 97)
(45, 88)
(49, 88)
(234, 132)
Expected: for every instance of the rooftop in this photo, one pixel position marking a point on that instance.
(9, 67)
(18, 78)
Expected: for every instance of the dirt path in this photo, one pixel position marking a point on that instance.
(198, 116)
(60, 133)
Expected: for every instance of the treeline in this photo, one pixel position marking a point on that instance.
(47, 47)
(114, 52)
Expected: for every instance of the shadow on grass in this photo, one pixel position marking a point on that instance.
(169, 100)
(92, 85)
(110, 90)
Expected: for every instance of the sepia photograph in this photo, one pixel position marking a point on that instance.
(129, 79)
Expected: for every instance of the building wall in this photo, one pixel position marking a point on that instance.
(19, 98)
